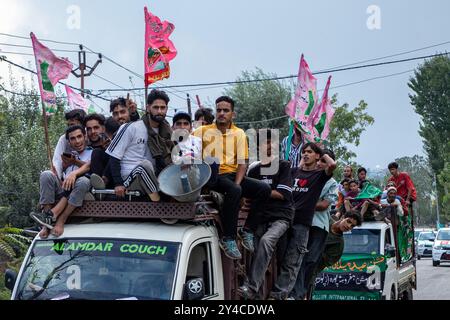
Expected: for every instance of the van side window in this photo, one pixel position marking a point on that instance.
(200, 266)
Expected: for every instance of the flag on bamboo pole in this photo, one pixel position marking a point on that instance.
(159, 50)
(302, 104)
(50, 69)
(76, 101)
(320, 119)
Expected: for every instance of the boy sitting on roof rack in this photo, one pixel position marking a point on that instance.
(71, 192)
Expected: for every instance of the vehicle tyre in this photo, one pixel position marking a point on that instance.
(436, 263)
(408, 294)
(418, 257)
(393, 293)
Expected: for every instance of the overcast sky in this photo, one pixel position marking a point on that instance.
(216, 40)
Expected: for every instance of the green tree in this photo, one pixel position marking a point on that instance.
(431, 100)
(262, 100)
(23, 153)
(346, 128)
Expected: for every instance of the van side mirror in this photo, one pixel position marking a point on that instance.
(10, 279)
(389, 251)
(194, 289)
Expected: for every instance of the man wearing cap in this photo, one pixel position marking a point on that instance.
(392, 201)
(188, 147)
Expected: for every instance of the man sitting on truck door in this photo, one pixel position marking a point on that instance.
(135, 146)
(317, 233)
(390, 202)
(334, 245)
(308, 184)
(228, 143)
(72, 191)
(271, 219)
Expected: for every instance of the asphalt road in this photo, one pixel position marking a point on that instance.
(432, 282)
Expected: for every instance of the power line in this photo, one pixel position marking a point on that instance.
(14, 52)
(290, 76)
(30, 47)
(335, 87)
(2, 58)
(45, 40)
(392, 55)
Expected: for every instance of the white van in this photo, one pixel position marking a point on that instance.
(441, 247)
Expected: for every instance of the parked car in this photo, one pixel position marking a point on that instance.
(441, 247)
(424, 244)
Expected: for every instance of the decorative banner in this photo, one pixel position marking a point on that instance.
(353, 277)
(50, 69)
(319, 121)
(159, 50)
(76, 101)
(301, 106)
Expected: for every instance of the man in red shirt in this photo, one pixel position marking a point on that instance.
(403, 183)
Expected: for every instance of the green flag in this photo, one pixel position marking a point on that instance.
(369, 192)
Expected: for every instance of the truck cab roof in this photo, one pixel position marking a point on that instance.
(374, 225)
(135, 230)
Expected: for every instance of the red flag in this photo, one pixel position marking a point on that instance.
(159, 50)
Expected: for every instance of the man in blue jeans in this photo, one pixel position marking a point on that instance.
(268, 220)
(308, 184)
(317, 233)
(228, 143)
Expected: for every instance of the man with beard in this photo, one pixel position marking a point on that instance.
(95, 129)
(142, 148)
(123, 110)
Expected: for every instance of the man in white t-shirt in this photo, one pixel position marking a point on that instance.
(59, 161)
(133, 162)
(71, 193)
(188, 147)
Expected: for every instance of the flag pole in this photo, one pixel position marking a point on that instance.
(47, 139)
(289, 141)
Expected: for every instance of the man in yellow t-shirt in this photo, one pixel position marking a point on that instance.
(227, 143)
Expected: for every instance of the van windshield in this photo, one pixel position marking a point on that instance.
(443, 235)
(99, 269)
(427, 236)
(365, 241)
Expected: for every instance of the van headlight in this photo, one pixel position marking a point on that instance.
(438, 248)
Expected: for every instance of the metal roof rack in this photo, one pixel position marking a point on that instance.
(201, 210)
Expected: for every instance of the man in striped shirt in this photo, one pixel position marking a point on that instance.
(133, 164)
(297, 141)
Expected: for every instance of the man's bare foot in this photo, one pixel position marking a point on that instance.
(58, 230)
(44, 233)
(155, 197)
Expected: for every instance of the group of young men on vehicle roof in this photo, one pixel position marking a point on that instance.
(126, 153)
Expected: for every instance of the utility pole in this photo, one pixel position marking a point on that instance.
(189, 104)
(198, 101)
(437, 198)
(83, 67)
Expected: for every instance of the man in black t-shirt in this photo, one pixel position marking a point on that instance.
(308, 184)
(271, 219)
